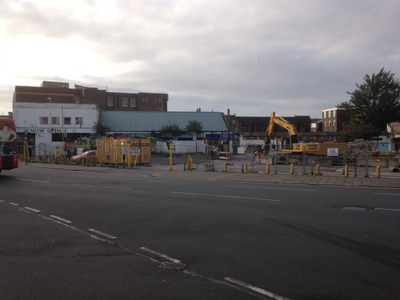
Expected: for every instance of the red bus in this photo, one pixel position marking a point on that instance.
(8, 145)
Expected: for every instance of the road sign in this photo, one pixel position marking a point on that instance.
(129, 142)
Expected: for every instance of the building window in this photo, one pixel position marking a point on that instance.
(55, 120)
(67, 121)
(124, 102)
(155, 101)
(77, 99)
(110, 101)
(79, 121)
(334, 113)
(133, 102)
(44, 120)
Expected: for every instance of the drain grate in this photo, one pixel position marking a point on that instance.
(172, 266)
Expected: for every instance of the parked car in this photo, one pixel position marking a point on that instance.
(85, 157)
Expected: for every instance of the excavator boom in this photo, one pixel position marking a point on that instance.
(283, 123)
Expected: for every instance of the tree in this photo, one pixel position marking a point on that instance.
(373, 104)
(101, 129)
(355, 131)
(171, 128)
(194, 127)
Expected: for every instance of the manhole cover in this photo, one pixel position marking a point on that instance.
(355, 208)
(172, 266)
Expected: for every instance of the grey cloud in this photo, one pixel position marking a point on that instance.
(254, 57)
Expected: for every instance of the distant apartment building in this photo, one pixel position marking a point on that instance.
(59, 92)
(334, 119)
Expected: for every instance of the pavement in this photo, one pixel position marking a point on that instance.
(160, 168)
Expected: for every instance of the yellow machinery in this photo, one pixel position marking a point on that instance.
(294, 146)
(283, 123)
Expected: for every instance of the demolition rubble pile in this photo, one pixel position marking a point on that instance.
(358, 148)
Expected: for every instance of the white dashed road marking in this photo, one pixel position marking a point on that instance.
(270, 188)
(33, 180)
(102, 233)
(255, 289)
(389, 209)
(161, 254)
(225, 196)
(103, 186)
(61, 219)
(32, 209)
(12, 203)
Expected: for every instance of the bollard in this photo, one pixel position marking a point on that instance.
(291, 169)
(101, 163)
(267, 169)
(225, 167)
(91, 162)
(317, 172)
(378, 172)
(245, 168)
(49, 160)
(37, 159)
(190, 164)
(346, 171)
(206, 167)
(67, 161)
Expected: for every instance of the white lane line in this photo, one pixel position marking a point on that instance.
(256, 289)
(102, 233)
(61, 219)
(32, 209)
(12, 203)
(92, 176)
(116, 187)
(33, 180)
(224, 196)
(388, 194)
(102, 186)
(161, 254)
(270, 188)
(74, 228)
(2, 201)
(390, 209)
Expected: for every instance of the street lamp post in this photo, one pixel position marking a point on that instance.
(51, 131)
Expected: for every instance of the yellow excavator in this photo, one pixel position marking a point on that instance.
(293, 136)
(294, 146)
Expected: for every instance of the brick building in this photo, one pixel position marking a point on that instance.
(59, 92)
(334, 119)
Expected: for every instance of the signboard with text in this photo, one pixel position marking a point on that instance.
(333, 152)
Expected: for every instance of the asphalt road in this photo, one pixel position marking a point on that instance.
(110, 235)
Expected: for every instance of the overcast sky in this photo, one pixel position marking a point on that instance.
(295, 57)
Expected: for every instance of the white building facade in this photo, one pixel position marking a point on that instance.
(45, 123)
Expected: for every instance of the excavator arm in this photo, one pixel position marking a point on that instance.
(283, 123)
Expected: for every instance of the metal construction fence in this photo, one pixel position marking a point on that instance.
(358, 160)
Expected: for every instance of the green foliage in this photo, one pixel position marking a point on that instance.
(170, 128)
(194, 127)
(101, 129)
(373, 104)
(355, 131)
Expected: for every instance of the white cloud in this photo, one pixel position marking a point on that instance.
(254, 57)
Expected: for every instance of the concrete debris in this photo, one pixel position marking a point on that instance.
(358, 148)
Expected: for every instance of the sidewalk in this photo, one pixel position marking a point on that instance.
(257, 174)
